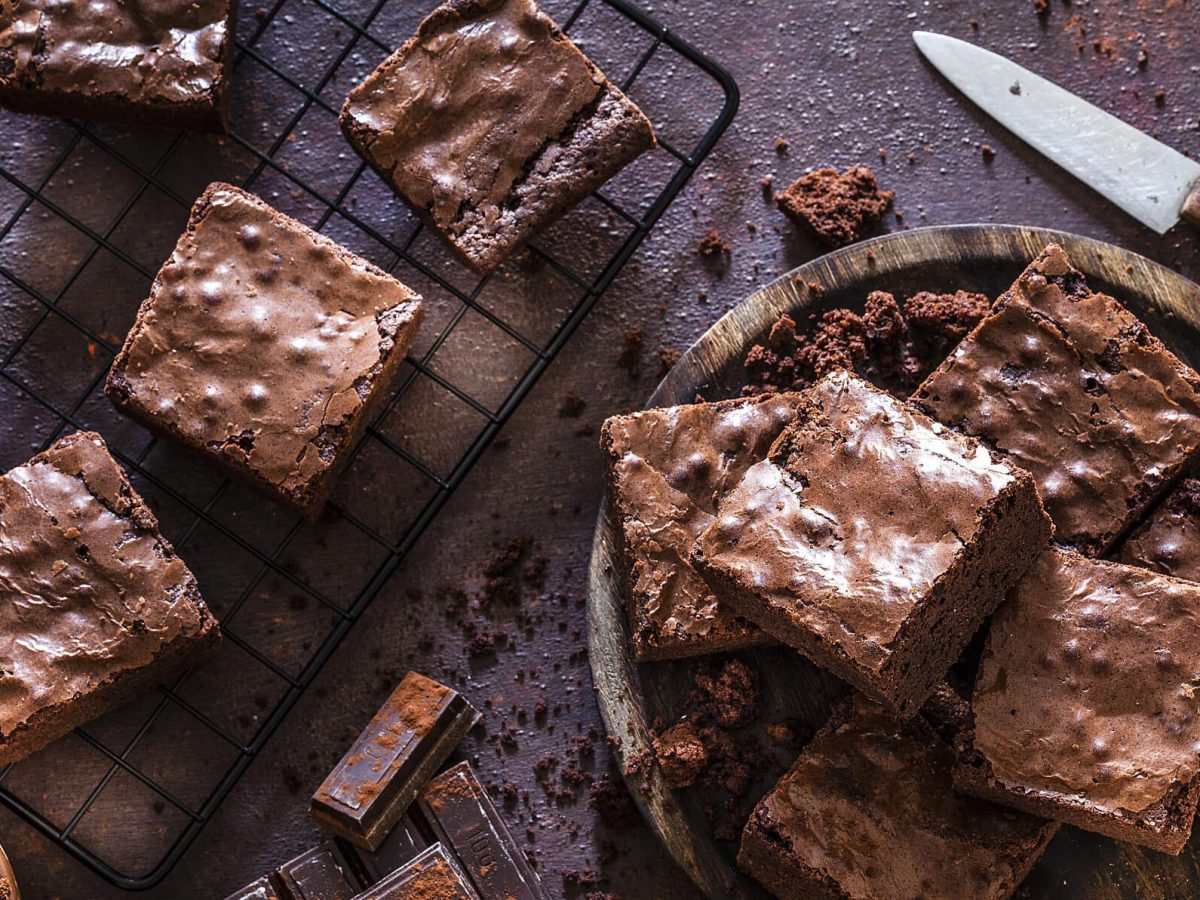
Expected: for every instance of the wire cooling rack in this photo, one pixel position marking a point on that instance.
(88, 213)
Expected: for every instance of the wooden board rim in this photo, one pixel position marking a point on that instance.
(616, 676)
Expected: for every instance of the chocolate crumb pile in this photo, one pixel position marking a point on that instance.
(700, 745)
(893, 347)
(835, 208)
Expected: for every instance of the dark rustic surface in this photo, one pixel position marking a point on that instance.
(840, 81)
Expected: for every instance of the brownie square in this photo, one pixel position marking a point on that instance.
(1073, 387)
(1085, 706)
(97, 606)
(873, 540)
(490, 123)
(1168, 541)
(264, 346)
(163, 63)
(835, 208)
(667, 471)
(868, 812)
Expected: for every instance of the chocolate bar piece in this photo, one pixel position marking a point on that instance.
(263, 889)
(403, 844)
(382, 772)
(322, 873)
(464, 818)
(433, 874)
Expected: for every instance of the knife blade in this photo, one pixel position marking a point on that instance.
(1149, 180)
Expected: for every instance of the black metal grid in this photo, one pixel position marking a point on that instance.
(114, 764)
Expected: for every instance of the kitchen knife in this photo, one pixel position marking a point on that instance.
(1153, 183)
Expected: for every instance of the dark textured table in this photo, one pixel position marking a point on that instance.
(839, 81)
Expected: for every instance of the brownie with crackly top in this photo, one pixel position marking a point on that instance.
(1069, 384)
(868, 812)
(166, 64)
(1085, 708)
(667, 470)
(1168, 541)
(264, 346)
(873, 540)
(96, 605)
(490, 123)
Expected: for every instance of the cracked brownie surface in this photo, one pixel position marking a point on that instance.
(489, 122)
(264, 345)
(667, 471)
(1073, 387)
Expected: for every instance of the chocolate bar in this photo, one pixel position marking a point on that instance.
(381, 774)
(403, 844)
(263, 889)
(432, 874)
(322, 873)
(465, 820)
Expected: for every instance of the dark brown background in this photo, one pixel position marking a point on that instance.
(841, 82)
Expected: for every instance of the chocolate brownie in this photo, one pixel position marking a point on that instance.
(873, 540)
(667, 470)
(835, 208)
(166, 64)
(868, 812)
(1085, 706)
(97, 606)
(264, 346)
(1169, 540)
(489, 123)
(1073, 387)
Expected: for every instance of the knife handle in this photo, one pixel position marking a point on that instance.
(1191, 207)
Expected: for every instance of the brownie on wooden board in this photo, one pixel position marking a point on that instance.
(667, 471)
(490, 123)
(868, 812)
(1085, 708)
(264, 346)
(873, 540)
(165, 64)
(97, 606)
(1073, 387)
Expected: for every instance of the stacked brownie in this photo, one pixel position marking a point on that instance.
(875, 536)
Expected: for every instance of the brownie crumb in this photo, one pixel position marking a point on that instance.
(1041, 7)
(892, 345)
(712, 244)
(729, 697)
(612, 802)
(782, 145)
(681, 754)
(571, 406)
(667, 357)
(1160, 97)
(630, 356)
(835, 208)
(988, 153)
(946, 315)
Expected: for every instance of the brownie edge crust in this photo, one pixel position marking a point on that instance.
(489, 123)
(116, 613)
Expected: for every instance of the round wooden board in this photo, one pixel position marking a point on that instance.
(983, 258)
